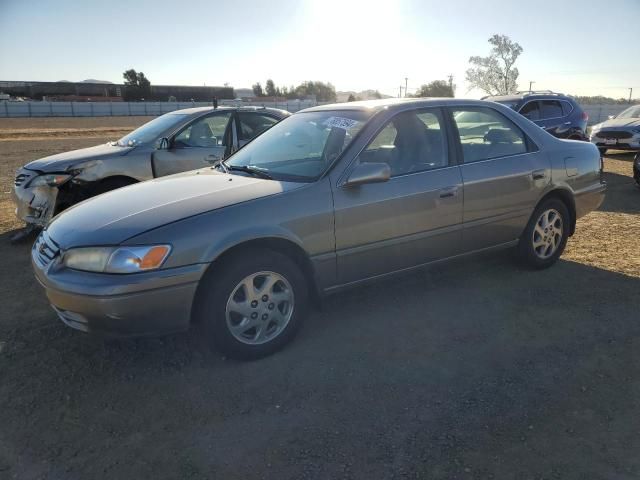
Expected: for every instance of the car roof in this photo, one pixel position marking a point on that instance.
(243, 108)
(527, 96)
(393, 104)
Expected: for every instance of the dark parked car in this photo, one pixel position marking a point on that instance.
(175, 142)
(330, 197)
(558, 114)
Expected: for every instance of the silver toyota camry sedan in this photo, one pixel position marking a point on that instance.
(331, 197)
(175, 142)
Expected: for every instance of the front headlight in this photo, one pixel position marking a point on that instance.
(51, 179)
(116, 259)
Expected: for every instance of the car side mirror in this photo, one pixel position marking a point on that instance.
(163, 144)
(369, 173)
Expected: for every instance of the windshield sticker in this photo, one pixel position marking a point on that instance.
(340, 122)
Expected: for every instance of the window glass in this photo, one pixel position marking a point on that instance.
(204, 132)
(253, 124)
(567, 108)
(301, 147)
(410, 142)
(551, 109)
(492, 136)
(531, 111)
(150, 131)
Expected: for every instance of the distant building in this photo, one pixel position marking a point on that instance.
(87, 91)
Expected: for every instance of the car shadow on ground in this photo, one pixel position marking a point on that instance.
(477, 365)
(623, 194)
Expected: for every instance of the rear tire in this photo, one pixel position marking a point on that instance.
(254, 305)
(546, 234)
(602, 150)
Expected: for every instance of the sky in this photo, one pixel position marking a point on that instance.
(571, 47)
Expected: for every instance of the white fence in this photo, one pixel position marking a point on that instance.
(109, 109)
(599, 113)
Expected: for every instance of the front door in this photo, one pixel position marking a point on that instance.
(504, 176)
(413, 218)
(203, 142)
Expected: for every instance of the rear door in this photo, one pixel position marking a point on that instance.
(413, 218)
(504, 176)
(552, 118)
(200, 143)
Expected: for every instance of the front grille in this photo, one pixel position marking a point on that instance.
(45, 249)
(21, 178)
(619, 134)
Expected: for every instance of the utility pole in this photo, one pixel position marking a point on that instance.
(630, 92)
(400, 94)
(531, 83)
(451, 84)
(406, 82)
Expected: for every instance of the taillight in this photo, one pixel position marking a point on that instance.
(585, 116)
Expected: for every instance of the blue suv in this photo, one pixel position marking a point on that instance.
(558, 114)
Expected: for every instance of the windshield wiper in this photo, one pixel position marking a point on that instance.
(251, 170)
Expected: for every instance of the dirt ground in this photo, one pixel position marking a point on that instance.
(475, 369)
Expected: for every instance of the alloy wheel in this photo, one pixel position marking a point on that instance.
(547, 234)
(259, 308)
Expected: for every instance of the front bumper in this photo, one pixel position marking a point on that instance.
(138, 304)
(601, 140)
(34, 206)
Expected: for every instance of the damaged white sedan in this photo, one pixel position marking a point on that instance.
(175, 142)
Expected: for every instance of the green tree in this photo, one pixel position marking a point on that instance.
(437, 88)
(138, 86)
(351, 98)
(257, 89)
(324, 92)
(496, 74)
(270, 88)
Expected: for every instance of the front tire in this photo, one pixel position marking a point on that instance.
(546, 234)
(254, 305)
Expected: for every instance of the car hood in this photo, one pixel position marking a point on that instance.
(621, 122)
(113, 217)
(63, 161)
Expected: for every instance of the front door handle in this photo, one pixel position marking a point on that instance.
(539, 174)
(449, 192)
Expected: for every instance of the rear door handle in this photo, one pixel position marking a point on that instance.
(449, 192)
(538, 174)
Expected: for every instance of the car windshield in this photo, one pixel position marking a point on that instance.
(301, 147)
(631, 112)
(149, 131)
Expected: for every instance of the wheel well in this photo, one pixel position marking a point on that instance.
(280, 245)
(115, 181)
(72, 193)
(566, 198)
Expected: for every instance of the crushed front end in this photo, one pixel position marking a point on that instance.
(35, 195)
